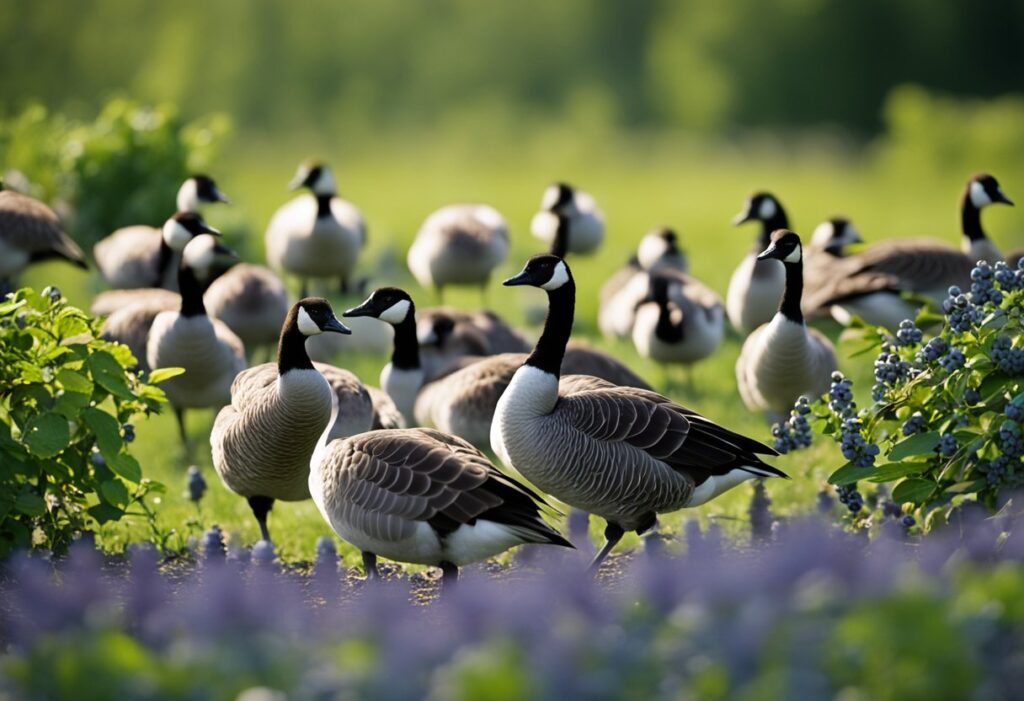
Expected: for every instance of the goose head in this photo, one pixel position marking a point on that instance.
(208, 257)
(313, 316)
(198, 190)
(834, 234)
(983, 190)
(389, 304)
(559, 198)
(183, 227)
(657, 245)
(315, 176)
(761, 206)
(785, 246)
(435, 332)
(545, 271)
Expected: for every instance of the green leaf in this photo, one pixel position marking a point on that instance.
(104, 512)
(46, 435)
(917, 444)
(115, 492)
(913, 490)
(106, 429)
(160, 374)
(73, 381)
(966, 487)
(848, 474)
(70, 404)
(126, 466)
(8, 307)
(30, 504)
(895, 470)
(108, 374)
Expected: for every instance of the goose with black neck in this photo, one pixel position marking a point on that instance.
(622, 453)
(757, 283)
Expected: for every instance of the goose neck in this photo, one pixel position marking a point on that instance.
(191, 292)
(790, 305)
(779, 220)
(323, 206)
(550, 349)
(560, 244)
(406, 352)
(163, 263)
(291, 348)
(970, 219)
(666, 329)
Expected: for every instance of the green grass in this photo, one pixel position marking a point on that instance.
(639, 185)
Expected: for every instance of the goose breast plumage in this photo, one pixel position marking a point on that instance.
(459, 244)
(300, 242)
(210, 352)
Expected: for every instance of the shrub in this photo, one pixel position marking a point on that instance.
(946, 414)
(123, 168)
(66, 400)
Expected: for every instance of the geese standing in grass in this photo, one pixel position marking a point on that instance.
(874, 283)
(784, 359)
(210, 353)
(621, 453)
(586, 220)
(143, 256)
(263, 440)
(30, 231)
(756, 285)
(682, 321)
(424, 497)
(460, 244)
(318, 236)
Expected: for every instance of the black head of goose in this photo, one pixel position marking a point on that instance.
(622, 453)
(176, 233)
(403, 377)
(981, 191)
(318, 179)
(584, 218)
(833, 235)
(197, 190)
(785, 246)
(660, 247)
(763, 207)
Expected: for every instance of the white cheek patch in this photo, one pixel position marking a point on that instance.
(200, 253)
(558, 278)
(652, 247)
(979, 198)
(767, 209)
(396, 313)
(176, 236)
(550, 198)
(188, 196)
(307, 327)
(793, 257)
(324, 185)
(823, 234)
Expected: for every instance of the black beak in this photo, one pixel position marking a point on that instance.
(207, 229)
(336, 326)
(364, 309)
(219, 196)
(222, 250)
(523, 278)
(742, 217)
(771, 252)
(1001, 197)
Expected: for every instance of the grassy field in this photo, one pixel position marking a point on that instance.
(639, 185)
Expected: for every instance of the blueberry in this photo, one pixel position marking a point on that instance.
(196, 483)
(908, 521)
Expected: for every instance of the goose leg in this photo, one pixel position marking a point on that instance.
(370, 565)
(260, 508)
(449, 575)
(613, 534)
(179, 414)
(343, 286)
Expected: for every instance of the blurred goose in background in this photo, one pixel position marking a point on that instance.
(318, 236)
(30, 231)
(622, 453)
(460, 244)
(586, 220)
(424, 497)
(757, 283)
(784, 359)
(263, 440)
(827, 245)
(681, 321)
(252, 301)
(628, 286)
(462, 401)
(210, 353)
(873, 283)
(447, 335)
(144, 256)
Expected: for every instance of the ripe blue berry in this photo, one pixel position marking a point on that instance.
(196, 483)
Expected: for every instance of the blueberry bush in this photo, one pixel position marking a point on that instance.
(67, 402)
(945, 421)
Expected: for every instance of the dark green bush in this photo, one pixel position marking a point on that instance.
(66, 400)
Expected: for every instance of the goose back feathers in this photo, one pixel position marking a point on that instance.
(460, 244)
(31, 231)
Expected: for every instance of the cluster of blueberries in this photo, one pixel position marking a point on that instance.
(795, 432)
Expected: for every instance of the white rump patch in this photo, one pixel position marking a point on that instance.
(793, 257)
(396, 313)
(767, 209)
(718, 484)
(175, 235)
(307, 326)
(979, 198)
(188, 196)
(559, 277)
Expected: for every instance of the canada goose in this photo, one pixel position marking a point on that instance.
(460, 244)
(463, 401)
(629, 285)
(143, 256)
(684, 327)
(446, 335)
(319, 236)
(263, 440)
(981, 190)
(252, 301)
(31, 231)
(828, 243)
(757, 284)
(421, 496)
(586, 220)
(206, 348)
(621, 453)
(784, 359)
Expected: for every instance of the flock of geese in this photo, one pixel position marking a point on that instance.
(398, 471)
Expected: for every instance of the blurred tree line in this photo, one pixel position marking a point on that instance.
(370, 66)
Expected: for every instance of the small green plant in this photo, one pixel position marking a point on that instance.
(946, 418)
(67, 400)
